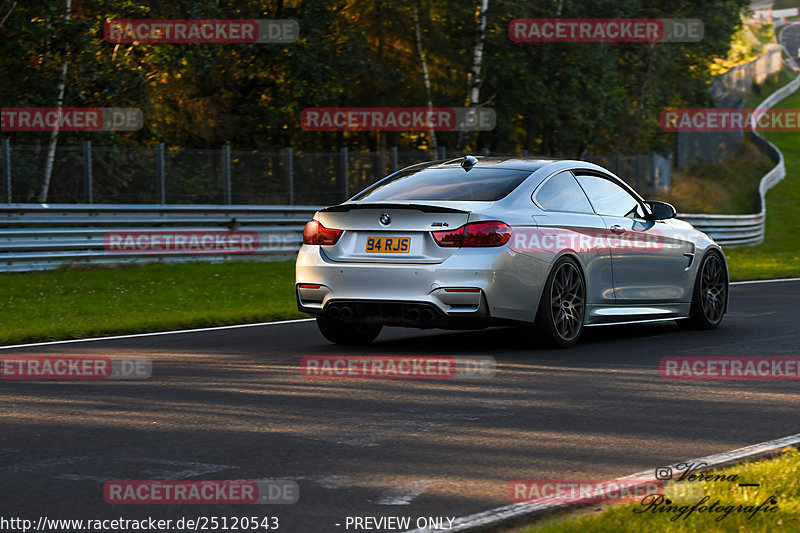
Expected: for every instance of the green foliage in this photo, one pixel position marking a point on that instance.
(730, 187)
(554, 98)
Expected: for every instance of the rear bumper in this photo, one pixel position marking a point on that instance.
(472, 286)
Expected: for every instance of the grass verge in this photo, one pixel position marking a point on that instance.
(761, 31)
(779, 254)
(784, 4)
(75, 303)
(760, 91)
(779, 478)
(729, 187)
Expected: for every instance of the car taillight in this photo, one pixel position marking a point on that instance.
(316, 233)
(477, 234)
(449, 239)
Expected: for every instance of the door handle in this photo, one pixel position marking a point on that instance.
(616, 228)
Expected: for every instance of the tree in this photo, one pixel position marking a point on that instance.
(474, 76)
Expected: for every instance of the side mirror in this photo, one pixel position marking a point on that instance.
(661, 210)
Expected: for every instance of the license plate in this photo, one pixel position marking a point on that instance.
(388, 245)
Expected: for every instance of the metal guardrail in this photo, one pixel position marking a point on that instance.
(38, 237)
(729, 230)
(732, 230)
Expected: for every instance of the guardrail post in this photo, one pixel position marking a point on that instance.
(655, 172)
(668, 172)
(344, 171)
(288, 168)
(87, 168)
(639, 170)
(162, 197)
(7, 167)
(395, 162)
(226, 173)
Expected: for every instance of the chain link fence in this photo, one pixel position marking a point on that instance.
(706, 147)
(91, 174)
(729, 91)
(647, 173)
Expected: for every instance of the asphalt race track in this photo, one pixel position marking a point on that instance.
(790, 37)
(232, 404)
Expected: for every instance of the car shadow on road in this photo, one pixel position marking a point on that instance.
(513, 340)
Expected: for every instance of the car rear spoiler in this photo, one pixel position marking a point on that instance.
(343, 208)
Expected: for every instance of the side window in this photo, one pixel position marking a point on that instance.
(562, 193)
(608, 198)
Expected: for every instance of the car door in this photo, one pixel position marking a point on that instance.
(649, 258)
(568, 223)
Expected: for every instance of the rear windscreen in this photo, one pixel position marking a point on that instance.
(479, 185)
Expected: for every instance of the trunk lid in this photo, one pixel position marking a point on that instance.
(406, 238)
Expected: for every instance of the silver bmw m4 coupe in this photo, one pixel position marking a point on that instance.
(549, 246)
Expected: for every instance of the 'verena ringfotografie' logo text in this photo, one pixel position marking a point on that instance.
(692, 474)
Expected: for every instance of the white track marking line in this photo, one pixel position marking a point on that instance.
(403, 495)
(763, 281)
(42, 464)
(519, 511)
(194, 470)
(174, 332)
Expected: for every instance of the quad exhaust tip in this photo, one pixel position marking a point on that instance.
(414, 314)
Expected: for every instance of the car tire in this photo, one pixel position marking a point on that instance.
(562, 307)
(339, 332)
(710, 294)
